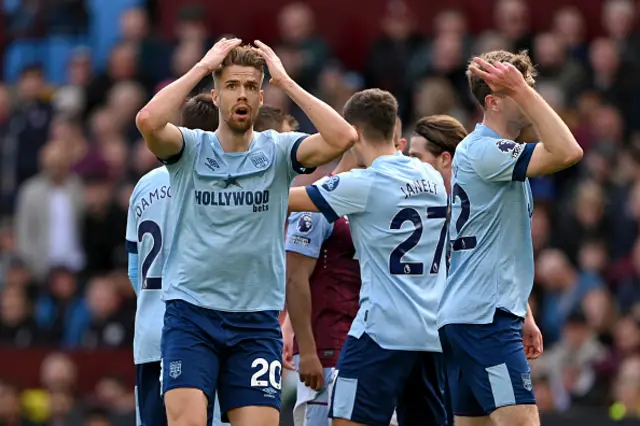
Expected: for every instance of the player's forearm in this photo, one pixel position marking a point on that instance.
(299, 310)
(157, 113)
(553, 132)
(332, 127)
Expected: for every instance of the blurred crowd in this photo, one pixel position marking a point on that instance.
(71, 154)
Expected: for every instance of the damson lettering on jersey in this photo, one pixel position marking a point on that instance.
(419, 187)
(152, 196)
(259, 200)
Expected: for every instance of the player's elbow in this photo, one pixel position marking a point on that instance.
(574, 155)
(144, 121)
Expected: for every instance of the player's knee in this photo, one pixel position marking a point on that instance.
(186, 407)
(516, 415)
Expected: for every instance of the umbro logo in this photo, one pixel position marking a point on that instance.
(212, 164)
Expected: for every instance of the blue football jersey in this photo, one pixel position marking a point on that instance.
(397, 212)
(491, 207)
(227, 252)
(148, 234)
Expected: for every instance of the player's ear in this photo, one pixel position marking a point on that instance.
(446, 159)
(491, 103)
(214, 96)
(261, 97)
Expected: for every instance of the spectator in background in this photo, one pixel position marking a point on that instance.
(303, 53)
(103, 215)
(122, 66)
(29, 124)
(110, 326)
(97, 417)
(513, 20)
(627, 391)
(135, 29)
(115, 396)
(628, 290)
(564, 287)
(49, 213)
(70, 99)
(10, 407)
(17, 327)
(61, 310)
(572, 365)
(569, 26)
(613, 79)
(618, 21)
(389, 56)
(586, 220)
(550, 54)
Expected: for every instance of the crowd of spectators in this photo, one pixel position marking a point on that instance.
(71, 154)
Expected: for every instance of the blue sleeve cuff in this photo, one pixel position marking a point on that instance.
(132, 247)
(175, 157)
(520, 169)
(297, 167)
(316, 197)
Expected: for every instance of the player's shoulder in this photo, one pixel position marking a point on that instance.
(196, 135)
(156, 177)
(276, 138)
(484, 142)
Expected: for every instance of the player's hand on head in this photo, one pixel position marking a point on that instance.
(311, 372)
(276, 70)
(532, 339)
(500, 76)
(218, 52)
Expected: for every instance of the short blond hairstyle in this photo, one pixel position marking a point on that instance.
(521, 60)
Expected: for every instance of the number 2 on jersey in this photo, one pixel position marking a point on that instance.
(151, 228)
(396, 265)
(462, 243)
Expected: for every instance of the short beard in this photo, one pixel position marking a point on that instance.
(239, 128)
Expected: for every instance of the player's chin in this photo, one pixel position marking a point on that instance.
(240, 125)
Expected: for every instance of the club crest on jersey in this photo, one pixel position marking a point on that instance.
(212, 164)
(526, 381)
(331, 183)
(175, 369)
(305, 223)
(259, 159)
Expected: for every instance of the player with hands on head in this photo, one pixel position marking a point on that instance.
(486, 326)
(224, 273)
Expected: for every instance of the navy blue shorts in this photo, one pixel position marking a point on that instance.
(234, 354)
(372, 381)
(486, 365)
(149, 404)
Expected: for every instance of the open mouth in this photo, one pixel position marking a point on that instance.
(241, 111)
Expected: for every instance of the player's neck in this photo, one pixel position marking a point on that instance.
(375, 150)
(447, 180)
(347, 162)
(233, 141)
(503, 129)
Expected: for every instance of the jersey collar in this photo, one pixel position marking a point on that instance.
(486, 131)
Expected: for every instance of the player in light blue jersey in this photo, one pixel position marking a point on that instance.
(397, 210)
(147, 241)
(224, 274)
(487, 330)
